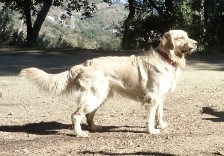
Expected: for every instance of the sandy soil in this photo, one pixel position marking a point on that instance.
(35, 123)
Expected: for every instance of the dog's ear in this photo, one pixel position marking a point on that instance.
(167, 41)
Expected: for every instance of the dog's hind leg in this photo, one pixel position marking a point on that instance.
(91, 123)
(89, 103)
(76, 118)
(94, 89)
(89, 109)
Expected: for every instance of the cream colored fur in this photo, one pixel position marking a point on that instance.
(147, 77)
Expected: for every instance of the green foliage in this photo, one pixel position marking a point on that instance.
(45, 41)
(202, 19)
(9, 35)
(109, 43)
(153, 18)
(81, 43)
(187, 12)
(94, 33)
(210, 22)
(39, 9)
(5, 27)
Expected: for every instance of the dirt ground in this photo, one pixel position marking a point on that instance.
(38, 124)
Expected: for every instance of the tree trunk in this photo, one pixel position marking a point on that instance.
(33, 31)
(41, 18)
(27, 12)
(127, 24)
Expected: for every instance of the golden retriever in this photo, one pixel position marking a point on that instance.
(147, 77)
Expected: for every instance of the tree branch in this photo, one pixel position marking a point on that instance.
(41, 18)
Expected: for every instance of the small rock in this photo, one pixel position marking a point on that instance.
(11, 113)
(25, 151)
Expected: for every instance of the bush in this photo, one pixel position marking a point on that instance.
(45, 41)
(9, 35)
(109, 43)
(88, 33)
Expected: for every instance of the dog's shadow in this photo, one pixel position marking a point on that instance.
(218, 114)
(128, 129)
(53, 127)
(41, 128)
(126, 153)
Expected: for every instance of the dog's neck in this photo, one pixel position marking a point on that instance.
(165, 55)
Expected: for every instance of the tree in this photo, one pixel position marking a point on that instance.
(208, 22)
(127, 24)
(145, 19)
(5, 20)
(39, 9)
(202, 19)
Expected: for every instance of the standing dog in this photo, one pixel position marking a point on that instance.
(148, 77)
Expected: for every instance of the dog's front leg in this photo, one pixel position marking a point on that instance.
(151, 117)
(160, 123)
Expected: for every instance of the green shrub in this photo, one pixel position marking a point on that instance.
(88, 33)
(81, 43)
(44, 41)
(9, 35)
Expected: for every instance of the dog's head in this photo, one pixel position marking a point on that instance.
(178, 42)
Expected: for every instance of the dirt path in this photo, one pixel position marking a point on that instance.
(35, 123)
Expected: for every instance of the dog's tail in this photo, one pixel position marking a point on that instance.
(54, 83)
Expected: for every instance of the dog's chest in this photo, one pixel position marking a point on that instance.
(167, 80)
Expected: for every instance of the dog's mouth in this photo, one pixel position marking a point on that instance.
(192, 49)
(189, 47)
(189, 50)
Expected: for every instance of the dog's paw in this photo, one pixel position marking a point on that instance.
(162, 125)
(82, 134)
(153, 130)
(95, 128)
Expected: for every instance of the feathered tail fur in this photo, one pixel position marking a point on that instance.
(53, 83)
